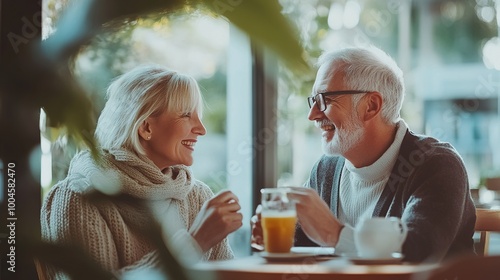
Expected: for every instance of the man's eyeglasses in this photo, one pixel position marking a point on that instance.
(319, 98)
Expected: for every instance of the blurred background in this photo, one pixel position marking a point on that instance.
(448, 50)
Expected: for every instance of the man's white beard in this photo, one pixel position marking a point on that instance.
(344, 138)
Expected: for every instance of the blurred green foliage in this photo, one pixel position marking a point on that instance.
(459, 32)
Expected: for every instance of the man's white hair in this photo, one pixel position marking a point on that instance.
(370, 69)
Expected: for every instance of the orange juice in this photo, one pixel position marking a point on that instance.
(279, 231)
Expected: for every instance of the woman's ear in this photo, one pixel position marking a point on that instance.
(373, 103)
(145, 130)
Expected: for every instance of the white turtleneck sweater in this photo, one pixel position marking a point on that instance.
(360, 190)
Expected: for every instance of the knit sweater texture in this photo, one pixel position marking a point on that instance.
(111, 229)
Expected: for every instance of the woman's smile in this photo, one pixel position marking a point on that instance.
(189, 144)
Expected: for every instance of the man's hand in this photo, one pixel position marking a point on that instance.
(315, 217)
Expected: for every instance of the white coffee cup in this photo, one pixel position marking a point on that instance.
(379, 237)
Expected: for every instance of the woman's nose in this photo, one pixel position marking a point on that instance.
(200, 128)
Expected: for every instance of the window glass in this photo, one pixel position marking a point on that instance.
(448, 51)
(193, 43)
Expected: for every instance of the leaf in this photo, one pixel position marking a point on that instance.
(262, 21)
(85, 18)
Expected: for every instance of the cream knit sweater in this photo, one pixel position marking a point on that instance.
(109, 230)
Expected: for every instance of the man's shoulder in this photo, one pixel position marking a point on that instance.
(428, 153)
(423, 144)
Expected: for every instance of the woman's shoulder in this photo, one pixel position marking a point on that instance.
(86, 175)
(67, 188)
(65, 194)
(66, 212)
(73, 192)
(73, 185)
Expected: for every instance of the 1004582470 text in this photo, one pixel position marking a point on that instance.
(11, 216)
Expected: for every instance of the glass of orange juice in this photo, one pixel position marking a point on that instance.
(278, 220)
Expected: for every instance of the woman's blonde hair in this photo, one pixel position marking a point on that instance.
(138, 94)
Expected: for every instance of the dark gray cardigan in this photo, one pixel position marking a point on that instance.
(428, 188)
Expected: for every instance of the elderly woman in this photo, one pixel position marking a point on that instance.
(146, 133)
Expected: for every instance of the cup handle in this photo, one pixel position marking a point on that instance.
(404, 230)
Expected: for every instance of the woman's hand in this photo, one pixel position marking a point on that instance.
(217, 218)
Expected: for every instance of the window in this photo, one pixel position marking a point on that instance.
(207, 48)
(445, 49)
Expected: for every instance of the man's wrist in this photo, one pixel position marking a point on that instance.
(332, 235)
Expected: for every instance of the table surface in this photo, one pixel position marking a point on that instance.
(311, 268)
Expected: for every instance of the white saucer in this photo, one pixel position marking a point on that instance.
(318, 251)
(396, 258)
(283, 257)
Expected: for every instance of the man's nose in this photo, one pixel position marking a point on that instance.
(314, 113)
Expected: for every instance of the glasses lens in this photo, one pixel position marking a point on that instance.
(310, 101)
(320, 100)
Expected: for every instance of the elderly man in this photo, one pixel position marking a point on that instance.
(375, 166)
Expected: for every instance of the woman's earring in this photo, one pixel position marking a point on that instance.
(149, 137)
